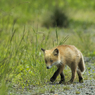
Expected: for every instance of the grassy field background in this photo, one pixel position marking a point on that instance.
(22, 35)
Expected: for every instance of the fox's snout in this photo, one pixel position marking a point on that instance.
(48, 67)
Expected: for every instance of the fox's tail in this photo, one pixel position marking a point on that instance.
(81, 65)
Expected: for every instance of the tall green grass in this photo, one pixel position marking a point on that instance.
(21, 60)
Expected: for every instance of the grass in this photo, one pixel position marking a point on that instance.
(22, 61)
(66, 88)
(77, 92)
(21, 39)
(80, 87)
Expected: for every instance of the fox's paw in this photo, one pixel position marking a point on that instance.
(52, 79)
(61, 81)
(80, 79)
(70, 81)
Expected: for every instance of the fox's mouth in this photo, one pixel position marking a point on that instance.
(55, 63)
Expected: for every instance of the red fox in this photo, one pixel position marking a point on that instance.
(65, 55)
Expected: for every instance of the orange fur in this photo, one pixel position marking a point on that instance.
(65, 55)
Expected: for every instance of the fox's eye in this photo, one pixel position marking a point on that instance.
(45, 61)
(51, 60)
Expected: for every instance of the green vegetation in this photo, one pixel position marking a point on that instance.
(79, 87)
(77, 92)
(22, 37)
(66, 87)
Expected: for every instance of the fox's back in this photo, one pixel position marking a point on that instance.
(67, 49)
(69, 53)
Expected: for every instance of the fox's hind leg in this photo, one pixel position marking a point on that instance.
(73, 70)
(79, 75)
(81, 68)
(73, 76)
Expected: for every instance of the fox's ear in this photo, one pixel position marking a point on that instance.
(55, 52)
(43, 49)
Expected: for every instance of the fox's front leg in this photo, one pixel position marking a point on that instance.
(53, 78)
(62, 78)
(58, 71)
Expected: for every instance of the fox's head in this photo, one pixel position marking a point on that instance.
(51, 57)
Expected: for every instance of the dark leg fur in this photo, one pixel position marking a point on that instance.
(53, 78)
(80, 76)
(62, 78)
(58, 71)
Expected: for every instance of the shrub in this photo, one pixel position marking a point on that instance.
(55, 18)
